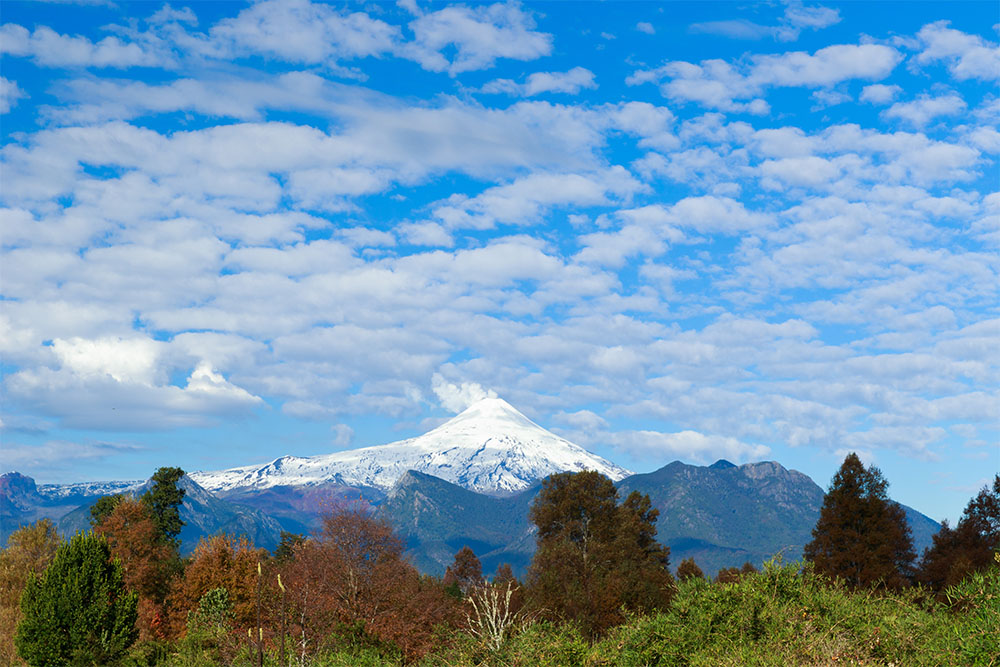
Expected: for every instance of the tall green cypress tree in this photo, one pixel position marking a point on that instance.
(862, 536)
(79, 611)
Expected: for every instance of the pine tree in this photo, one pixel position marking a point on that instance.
(862, 537)
(103, 508)
(78, 611)
(968, 547)
(164, 500)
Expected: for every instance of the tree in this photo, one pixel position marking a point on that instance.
(164, 499)
(29, 550)
(730, 575)
(353, 575)
(220, 561)
(104, 506)
(285, 550)
(149, 561)
(967, 548)
(79, 611)
(465, 573)
(595, 557)
(688, 569)
(862, 537)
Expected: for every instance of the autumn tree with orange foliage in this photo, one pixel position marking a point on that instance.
(353, 575)
(29, 550)
(149, 561)
(465, 573)
(220, 561)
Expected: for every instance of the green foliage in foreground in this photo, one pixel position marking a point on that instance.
(783, 615)
(79, 611)
(780, 616)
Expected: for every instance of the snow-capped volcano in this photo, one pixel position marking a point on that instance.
(490, 448)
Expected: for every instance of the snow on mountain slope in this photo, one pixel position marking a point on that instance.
(490, 448)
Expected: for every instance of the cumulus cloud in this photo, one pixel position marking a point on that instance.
(322, 34)
(923, 110)
(10, 93)
(687, 445)
(570, 82)
(457, 397)
(526, 200)
(967, 56)
(121, 383)
(880, 93)
(479, 36)
(721, 85)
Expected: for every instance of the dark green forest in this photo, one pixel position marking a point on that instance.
(600, 590)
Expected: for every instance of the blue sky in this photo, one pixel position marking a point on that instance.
(663, 230)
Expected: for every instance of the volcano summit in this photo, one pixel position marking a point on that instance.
(490, 448)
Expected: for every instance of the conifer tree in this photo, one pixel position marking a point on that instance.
(103, 508)
(862, 536)
(78, 611)
(968, 547)
(164, 500)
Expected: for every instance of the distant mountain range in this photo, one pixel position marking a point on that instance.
(470, 482)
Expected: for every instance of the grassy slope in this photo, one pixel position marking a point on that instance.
(778, 617)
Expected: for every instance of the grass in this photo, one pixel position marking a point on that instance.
(784, 615)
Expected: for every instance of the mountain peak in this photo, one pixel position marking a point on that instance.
(490, 413)
(489, 447)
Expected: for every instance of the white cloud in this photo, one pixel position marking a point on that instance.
(570, 82)
(51, 49)
(718, 84)
(300, 31)
(967, 56)
(921, 111)
(880, 93)
(343, 435)
(796, 17)
(828, 98)
(688, 445)
(478, 35)
(60, 454)
(526, 200)
(90, 400)
(10, 93)
(646, 27)
(425, 234)
(457, 397)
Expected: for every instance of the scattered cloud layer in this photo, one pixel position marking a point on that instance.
(775, 249)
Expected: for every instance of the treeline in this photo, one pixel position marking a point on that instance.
(598, 591)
